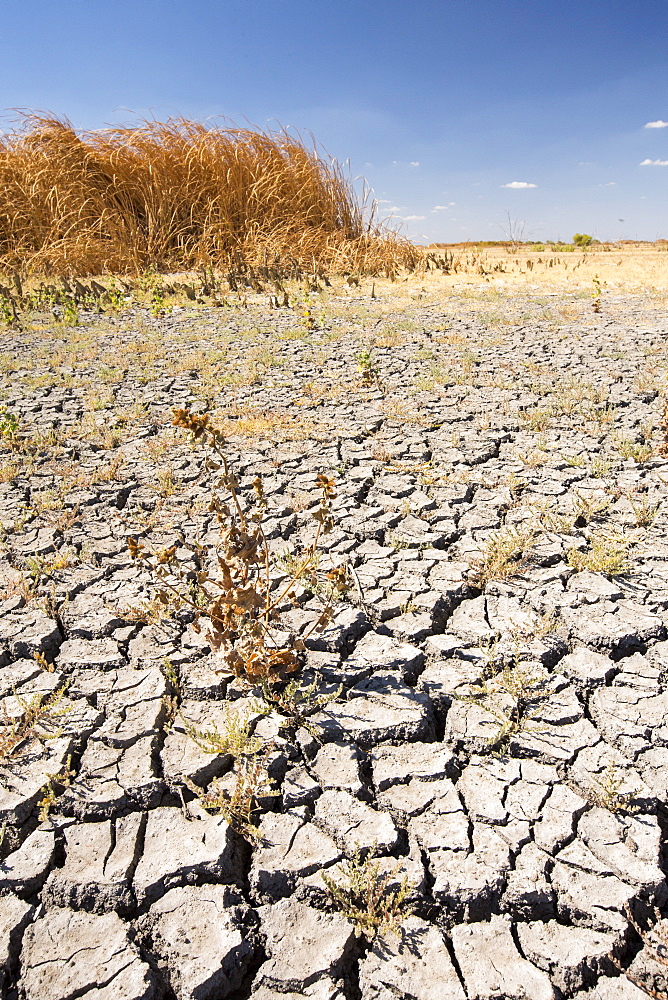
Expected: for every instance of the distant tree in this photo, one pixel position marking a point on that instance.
(582, 240)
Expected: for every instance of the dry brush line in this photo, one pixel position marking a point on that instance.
(176, 195)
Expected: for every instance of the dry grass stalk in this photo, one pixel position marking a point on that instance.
(176, 195)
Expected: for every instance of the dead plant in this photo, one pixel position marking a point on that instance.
(242, 599)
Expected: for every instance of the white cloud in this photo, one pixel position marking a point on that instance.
(414, 218)
(518, 184)
(656, 124)
(383, 201)
(440, 208)
(610, 184)
(654, 163)
(415, 163)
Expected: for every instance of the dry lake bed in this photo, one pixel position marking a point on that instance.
(496, 731)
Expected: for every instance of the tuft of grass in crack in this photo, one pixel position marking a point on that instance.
(236, 738)
(600, 467)
(369, 896)
(38, 720)
(504, 555)
(606, 791)
(237, 801)
(644, 511)
(297, 701)
(56, 784)
(589, 508)
(607, 554)
(639, 452)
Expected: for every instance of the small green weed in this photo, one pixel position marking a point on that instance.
(512, 696)
(235, 739)
(369, 896)
(239, 806)
(38, 720)
(55, 785)
(596, 294)
(9, 429)
(606, 791)
(368, 371)
(298, 701)
(645, 512)
(640, 453)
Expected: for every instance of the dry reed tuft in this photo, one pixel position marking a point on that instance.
(177, 195)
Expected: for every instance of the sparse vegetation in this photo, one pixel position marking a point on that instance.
(236, 738)
(512, 695)
(238, 804)
(639, 452)
(297, 701)
(606, 791)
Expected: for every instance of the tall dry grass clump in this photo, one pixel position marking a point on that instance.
(176, 195)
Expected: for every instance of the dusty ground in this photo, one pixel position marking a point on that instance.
(499, 735)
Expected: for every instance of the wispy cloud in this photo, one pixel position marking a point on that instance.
(656, 124)
(415, 163)
(654, 163)
(413, 218)
(443, 208)
(518, 184)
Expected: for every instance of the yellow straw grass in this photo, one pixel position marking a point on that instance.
(177, 195)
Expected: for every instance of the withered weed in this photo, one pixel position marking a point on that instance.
(238, 601)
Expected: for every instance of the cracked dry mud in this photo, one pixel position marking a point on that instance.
(487, 410)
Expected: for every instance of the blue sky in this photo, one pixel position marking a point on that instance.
(439, 105)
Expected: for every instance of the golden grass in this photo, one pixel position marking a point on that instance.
(177, 195)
